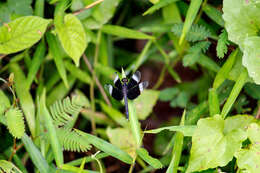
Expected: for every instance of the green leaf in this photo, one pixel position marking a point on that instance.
(21, 33)
(194, 53)
(72, 37)
(15, 122)
(57, 56)
(250, 88)
(117, 137)
(106, 147)
(251, 59)
(168, 94)
(213, 102)
(234, 93)
(242, 19)
(186, 130)
(214, 14)
(211, 146)
(35, 155)
(22, 7)
(114, 114)
(225, 69)
(8, 167)
(4, 102)
(222, 44)
(125, 32)
(143, 153)
(55, 144)
(145, 102)
(101, 14)
(248, 159)
(238, 121)
(195, 33)
(190, 17)
(134, 124)
(157, 6)
(36, 62)
(78, 73)
(24, 96)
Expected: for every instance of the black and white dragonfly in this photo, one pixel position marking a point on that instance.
(127, 88)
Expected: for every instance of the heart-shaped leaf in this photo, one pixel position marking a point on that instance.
(72, 37)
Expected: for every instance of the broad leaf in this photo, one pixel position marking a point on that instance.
(251, 57)
(21, 33)
(122, 138)
(249, 158)
(242, 19)
(72, 37)
(145, 102)
(101, 14)
(212, 146)
(168, 94)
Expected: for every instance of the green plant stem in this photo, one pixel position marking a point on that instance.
(161, 77)
(39, 8)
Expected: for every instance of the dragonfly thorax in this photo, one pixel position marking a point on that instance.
(124, 80)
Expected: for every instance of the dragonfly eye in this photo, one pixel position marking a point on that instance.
(124, 80)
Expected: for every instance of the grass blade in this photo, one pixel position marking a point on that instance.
(106, 147)
(177, 149)
(214, 14)
(234, 93)
(213, 102)
(134, 123)
(125, 32)
(143, 153)
(186, 130)
(190, 17)
(225, 69)
(37, 60)
(76, 72)
(56, 147)
(24, 96)
(57, 56)
(36, 155)
(157, 6)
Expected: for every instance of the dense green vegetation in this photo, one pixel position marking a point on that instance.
(199, 114)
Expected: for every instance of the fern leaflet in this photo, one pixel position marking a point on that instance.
(196, 32)
(65, 111)
(8, 167)
(222, 44)
(72, 141)
(194, 53)
(15, 122)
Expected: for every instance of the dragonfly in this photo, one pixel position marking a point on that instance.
(127, 88)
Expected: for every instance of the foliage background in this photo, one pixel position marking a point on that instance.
(199, 56)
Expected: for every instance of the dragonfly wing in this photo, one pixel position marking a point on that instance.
(115, 92)
(136, 91)
(134, 80)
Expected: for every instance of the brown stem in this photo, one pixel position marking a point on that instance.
(97, 81)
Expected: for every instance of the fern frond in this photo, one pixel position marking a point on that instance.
(15, 122)
(194, 53)
(8, 167)
(201, 46)
(72, 141)
(64, 111)
(222, 44)
(196, 32)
